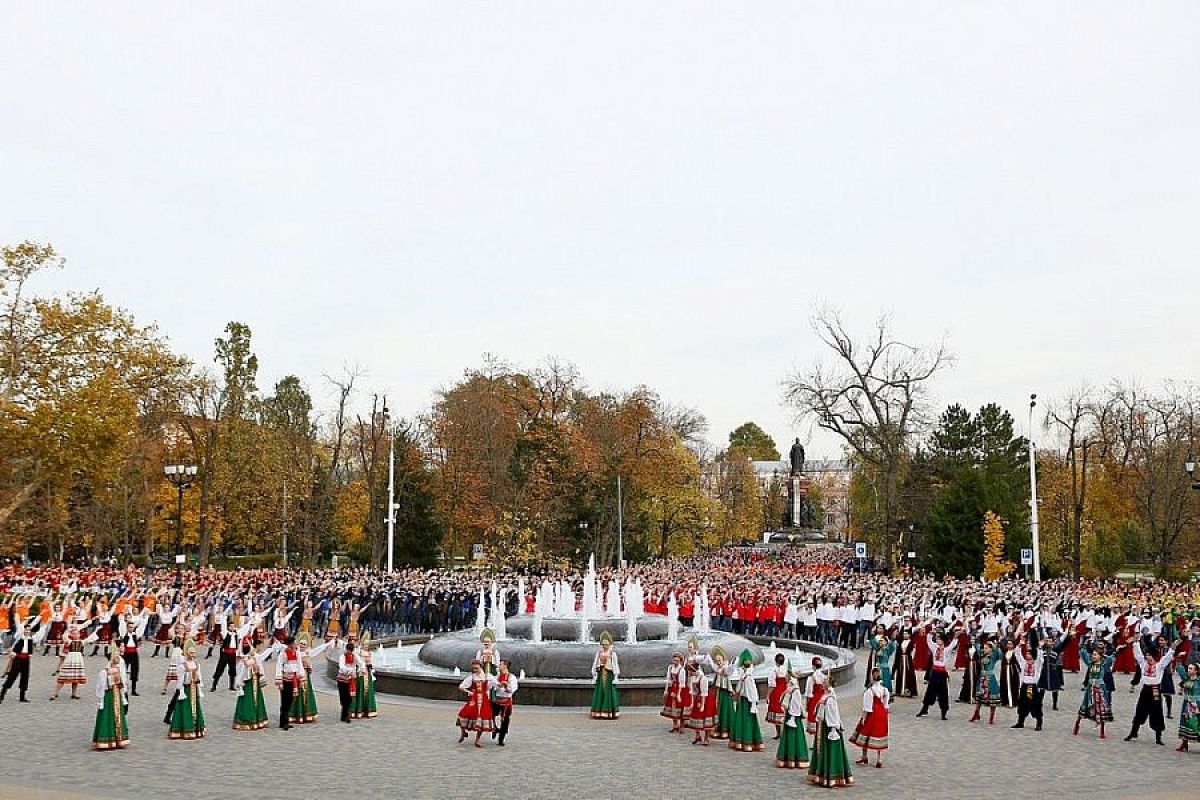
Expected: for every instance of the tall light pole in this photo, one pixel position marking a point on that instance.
(391, 498)
(181, 477)
(1033, 503)
(620, 527)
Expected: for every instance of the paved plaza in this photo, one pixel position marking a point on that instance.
(410, 750)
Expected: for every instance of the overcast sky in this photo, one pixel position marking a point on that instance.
(658, 194)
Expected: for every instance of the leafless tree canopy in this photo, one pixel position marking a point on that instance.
(872, 393)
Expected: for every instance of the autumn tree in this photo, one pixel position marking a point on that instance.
(753, 442)
(995, 564)
(872, 395)
(76, 371)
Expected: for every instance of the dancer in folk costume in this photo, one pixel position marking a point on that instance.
(71, 671)
(250, 712)
(792, 751)
(905, 676)
(777, 680)
(677, 698)
(476, 714)
(488, 654)
(871, 733)
(364, 706)
(942, 649)
(111, 731)
(1189, 705)
(1097, 680)
(1149, 704)
(970, 672)
(606, 668)
(289, 678)
(350, 667)
(814, 691)
(987, 685)
(1031, 698)
(1010, 676)
(829, 766)
(502, 701)
(131, 628)
(174, 662)
(746, 735)
(187, 718)
(702, 716)
(722, 683)
(166, 624)
(58, 619)
(304, 707)
(883, 654)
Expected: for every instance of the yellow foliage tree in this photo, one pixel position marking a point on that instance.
(995, 565)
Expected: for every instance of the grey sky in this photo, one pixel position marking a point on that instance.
(657, 194)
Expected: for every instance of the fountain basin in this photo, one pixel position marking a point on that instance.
(400, 670)
(573, 660)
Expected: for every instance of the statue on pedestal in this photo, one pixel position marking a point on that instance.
(796, 455)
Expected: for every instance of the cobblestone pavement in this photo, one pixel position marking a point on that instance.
(410, 750)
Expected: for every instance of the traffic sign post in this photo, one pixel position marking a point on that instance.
(860, 553)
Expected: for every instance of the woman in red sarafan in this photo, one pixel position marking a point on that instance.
(777, 684)
(476, 714)
(871, 733)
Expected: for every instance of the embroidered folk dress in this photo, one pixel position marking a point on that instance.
(111, 731)
(250, 712)
(187, 717)
(746, 734)
(476, 714)
(1189, 708)
(1097, 700)
(872, 730)
(605, 669)
(829, 765)
(792, 752)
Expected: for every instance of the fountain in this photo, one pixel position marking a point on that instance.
(555, 644)
(613, 604)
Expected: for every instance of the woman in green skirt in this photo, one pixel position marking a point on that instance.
(745, 735)
(792, 752)
(250, 713)
(187, 717)
(829, 766)
(722, 674)
(1189, 709)
(363, 705)
(605, 669)
(112, 728)
(304, 704)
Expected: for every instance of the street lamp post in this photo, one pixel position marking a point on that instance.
(1189, 466)
(181, 477)
(1033, 503)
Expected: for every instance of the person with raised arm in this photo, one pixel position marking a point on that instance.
(1149, 704)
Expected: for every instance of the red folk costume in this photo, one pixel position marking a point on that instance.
(922, 657)
(703, 713)
(816, 690)
(871, 733)
(1124, 662)
(777, 682)
(476, 714)
(677, 698)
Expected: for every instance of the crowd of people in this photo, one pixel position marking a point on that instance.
(990, 644)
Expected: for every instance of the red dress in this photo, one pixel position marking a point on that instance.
(677, 700)
(775, 711)
(476, 714)
(921, 655)
(1125, 662)
(1070, 654)
(703, 713)
(817, 692)
(872, 730)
